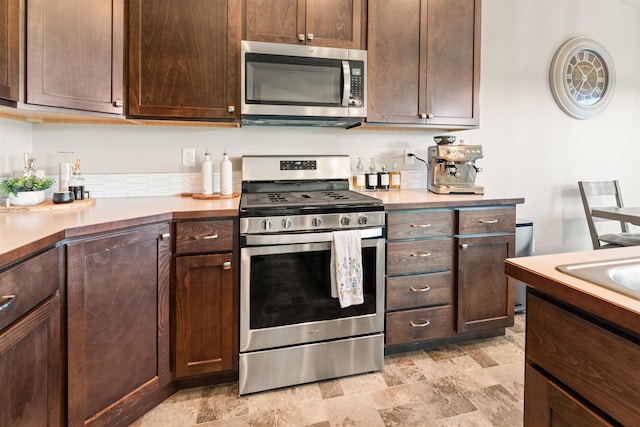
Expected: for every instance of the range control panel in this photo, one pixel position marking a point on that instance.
(298, 165)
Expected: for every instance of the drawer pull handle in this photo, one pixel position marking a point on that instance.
(420, 225)
(226, 265)
(205, 237)
(424, 288)
(7, 300)
(420, 323)
(464, 246)
(420, 254)
(165, 236)
(488, 221)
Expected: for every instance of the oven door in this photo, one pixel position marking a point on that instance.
(285, 296)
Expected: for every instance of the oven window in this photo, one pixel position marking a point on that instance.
(293, 288)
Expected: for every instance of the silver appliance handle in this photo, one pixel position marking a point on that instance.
(281, 239)
(346, 89)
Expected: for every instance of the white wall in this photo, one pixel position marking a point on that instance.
(532, 149)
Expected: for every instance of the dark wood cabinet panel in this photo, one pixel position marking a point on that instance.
(74, 54)
(331, 23)
(418, 325)
(548, 405)
(601, 369)
(9, 45)
(485, 293)
(204, 236)
(117, 321)
(424, 62)
(419, 256)
(419, 290)
(183, 59)
(416, 224)
(31, 369)
(204, 314)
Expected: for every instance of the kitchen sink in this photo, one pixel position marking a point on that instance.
(621, 275)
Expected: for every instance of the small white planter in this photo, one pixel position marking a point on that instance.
(27, 198)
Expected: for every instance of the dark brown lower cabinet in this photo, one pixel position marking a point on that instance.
(31, 369)
(485, 293)
(205, 337)
(117, 321)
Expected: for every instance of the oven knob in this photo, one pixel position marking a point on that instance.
(316, 222)
(345, 220)
(266, 224)
(286, 223)
(362, 220)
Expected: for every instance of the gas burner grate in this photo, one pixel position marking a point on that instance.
(336, 195)
(276, 197)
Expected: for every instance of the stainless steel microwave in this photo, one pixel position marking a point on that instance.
(286, 84)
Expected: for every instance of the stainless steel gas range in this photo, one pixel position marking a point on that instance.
(292, 330)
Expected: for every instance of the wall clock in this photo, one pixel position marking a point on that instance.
(582, 77)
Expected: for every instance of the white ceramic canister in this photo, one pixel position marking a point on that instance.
(226, 177)
(207, 174)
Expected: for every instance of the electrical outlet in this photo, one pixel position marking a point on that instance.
(188, 157)
(408, 160)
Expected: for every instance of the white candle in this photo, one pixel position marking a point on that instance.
(65, 174)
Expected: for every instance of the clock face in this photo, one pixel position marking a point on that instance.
(582, 77)
(586, 77)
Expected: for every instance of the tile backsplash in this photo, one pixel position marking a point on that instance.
(169, 184)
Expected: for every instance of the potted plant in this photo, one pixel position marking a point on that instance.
(25, 191)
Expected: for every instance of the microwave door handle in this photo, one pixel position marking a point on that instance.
(346, 89)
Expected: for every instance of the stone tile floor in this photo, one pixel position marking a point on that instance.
(475, 384)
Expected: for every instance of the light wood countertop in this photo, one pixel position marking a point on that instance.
(423, 199)
(24, 233)
(539, 273)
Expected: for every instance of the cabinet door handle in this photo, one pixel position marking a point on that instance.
(488, 221)
(464, 246)
(310, 36)
(231, 109)
(420, 225)
(424, 288)
(226, 265)
(117, 103)
(301, 37)
(205, 237)
(165, 236)
(421, 323)
(7, 300)
(420, 254)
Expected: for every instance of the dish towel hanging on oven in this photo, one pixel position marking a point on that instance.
(346, 268)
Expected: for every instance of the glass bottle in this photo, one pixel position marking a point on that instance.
(394, 176)
(372, 177)
(76, 182)
(359, 178)
(383, 176)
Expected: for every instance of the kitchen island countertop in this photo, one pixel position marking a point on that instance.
(24, 233)
(539, 273)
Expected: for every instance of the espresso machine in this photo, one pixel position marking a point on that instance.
(452, 167)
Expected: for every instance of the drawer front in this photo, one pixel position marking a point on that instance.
(28, 284)
(495, 220)
(204, 236)
(421, 256)
(419, 325)
(419, 290)
(419, 224)
(596, 363)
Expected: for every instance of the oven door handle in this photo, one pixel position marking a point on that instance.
(282, 239)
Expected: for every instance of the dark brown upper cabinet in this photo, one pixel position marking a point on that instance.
(183, 59)
(74, 53)
(9, 44)
(330, 23)
(424, 62)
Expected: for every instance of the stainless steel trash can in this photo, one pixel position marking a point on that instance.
(524, 247)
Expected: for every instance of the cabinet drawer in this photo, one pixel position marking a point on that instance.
(419, 290)
(596, 363)
(204, 236)
(421, 256)
(31, 282)
(494, 220)
(418, 325)
(416, 225)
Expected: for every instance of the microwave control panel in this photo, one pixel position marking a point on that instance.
(357, 84)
